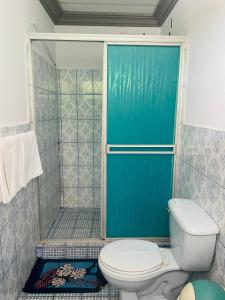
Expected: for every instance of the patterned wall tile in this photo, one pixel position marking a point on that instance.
(11, 283)
(97, 197)
(81, 133)
(85, 131)
(84, 82)
(47, 116)
(97, 82)
(69, 154)
(68, 106)
(217, 271)
(69, 130)
(70, 176)
(20, 229)
(44, 73)
(70, 197)
(85, 105)
(15, 234)
(97, 107)
(2, 291)
(41, 136)
(98, 131)
(200, 176)
(6, 214)
(86, 198)
(1, 267)
(8, 244)
(97, 176)
(86, 176)
(19, 200)
(21, 263)
(40, 96)
(68, 83)
(97, 153)
(86, 153)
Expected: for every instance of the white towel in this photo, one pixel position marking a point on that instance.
(21, 162)
(12, 151)
(32, 162)
(4, 191)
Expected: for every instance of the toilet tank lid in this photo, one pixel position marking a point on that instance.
(191, 217)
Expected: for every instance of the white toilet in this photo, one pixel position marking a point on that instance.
(142, 270)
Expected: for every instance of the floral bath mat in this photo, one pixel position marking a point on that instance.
(65, 276)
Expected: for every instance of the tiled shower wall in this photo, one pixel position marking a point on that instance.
(201, 176)
(80, 137)
(47, 122)
(18, 234)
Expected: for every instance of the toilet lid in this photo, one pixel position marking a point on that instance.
(131, 256)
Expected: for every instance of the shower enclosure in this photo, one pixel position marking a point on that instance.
(107, 122)
(68, 112)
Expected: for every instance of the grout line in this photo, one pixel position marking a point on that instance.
(78, 150)
(60, 144)
(93, 134)
(45, 90)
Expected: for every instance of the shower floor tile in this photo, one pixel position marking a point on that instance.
(76, 223)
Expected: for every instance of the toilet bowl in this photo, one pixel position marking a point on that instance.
(140, 270)
(143, 271)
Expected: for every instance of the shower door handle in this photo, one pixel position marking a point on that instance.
(140, 149)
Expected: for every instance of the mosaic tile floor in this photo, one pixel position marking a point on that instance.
(107, 293)
(73, 250)
(76, 223)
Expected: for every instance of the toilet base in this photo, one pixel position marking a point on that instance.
(164, 287)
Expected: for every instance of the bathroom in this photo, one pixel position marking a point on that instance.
(55, 67)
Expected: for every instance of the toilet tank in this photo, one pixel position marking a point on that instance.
(193, 235)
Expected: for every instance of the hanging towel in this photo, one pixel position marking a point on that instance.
(20, 160)
(32, 162)
(4, 191)
(13, 163)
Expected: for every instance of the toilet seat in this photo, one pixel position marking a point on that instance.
(131, 257)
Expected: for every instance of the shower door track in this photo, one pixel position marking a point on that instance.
(108, 39)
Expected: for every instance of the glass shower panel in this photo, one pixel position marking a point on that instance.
(47, 131)
(68, 116)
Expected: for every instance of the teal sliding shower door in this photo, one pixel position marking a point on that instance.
(142, 84)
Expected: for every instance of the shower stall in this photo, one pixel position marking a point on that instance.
(106, 114)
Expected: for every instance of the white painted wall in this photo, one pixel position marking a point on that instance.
(90, 55)
(79, 55)
(108, 30)
(15, 22)
(203, 22)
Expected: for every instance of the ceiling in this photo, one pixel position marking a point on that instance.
(144, 13)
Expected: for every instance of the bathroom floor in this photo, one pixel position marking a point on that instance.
(75, 249)
(76, 223)
(107, 293)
